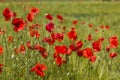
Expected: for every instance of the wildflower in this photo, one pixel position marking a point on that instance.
(61, 49)
(87, 53)
(19, 24)
(112, 55)
(50, 27)
(72, 35)
(1, 49)
(114, 42)
(39, 69)
(59, 17)
(49, 16)
(7, 13)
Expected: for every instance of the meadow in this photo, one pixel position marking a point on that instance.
(57, 60)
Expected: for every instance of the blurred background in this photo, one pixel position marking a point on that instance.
(55, 0)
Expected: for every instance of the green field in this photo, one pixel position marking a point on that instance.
(17, 67)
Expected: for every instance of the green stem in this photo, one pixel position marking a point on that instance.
(89, 67)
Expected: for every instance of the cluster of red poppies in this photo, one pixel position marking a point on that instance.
(76, 45)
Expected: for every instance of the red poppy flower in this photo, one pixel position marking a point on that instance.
(112, 55)
(49, 40)
(30, 17)
(18, 24)
(50, 27)
(80, 53)
(93, 59)
(55, 55)
(107, 27)
(61, 49)
(37, 35)
(49, 16)
(34, 33)
(75, 22)
(36, 46)
(79, 44)
(7, 13)
(1, 65)
(1, 49)
(59, 17)
(22, 49)
(39, 68)
(73, 47)
(72, 35)
(87, 53)
(42, 49)
(114, 42)
(89, 38)
(96, 46)
(34, 10)
(44, 55)
(57, 36)
(59, 60)
(39, 48)
(90, 25)
(101, 39)
(102, 27)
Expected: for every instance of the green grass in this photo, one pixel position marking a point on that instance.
(17, 67)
